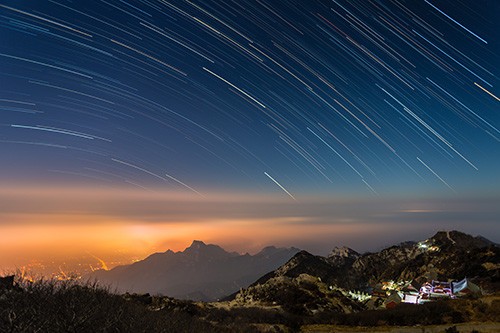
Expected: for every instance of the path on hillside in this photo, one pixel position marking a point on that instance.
(448, 235)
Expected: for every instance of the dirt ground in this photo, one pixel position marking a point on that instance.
(493, 327)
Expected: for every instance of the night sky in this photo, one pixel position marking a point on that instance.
(289, 99)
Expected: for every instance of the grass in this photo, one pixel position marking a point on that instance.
(69, 306)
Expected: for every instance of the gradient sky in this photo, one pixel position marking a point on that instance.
(247, 123)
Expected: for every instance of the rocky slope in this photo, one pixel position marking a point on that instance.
(301, 295)
(200, 272)
(445, 256)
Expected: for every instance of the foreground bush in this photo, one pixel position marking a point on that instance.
(67, 306)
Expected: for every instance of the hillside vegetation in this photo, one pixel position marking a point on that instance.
(67, 306)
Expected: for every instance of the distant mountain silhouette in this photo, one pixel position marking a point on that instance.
(200, 272)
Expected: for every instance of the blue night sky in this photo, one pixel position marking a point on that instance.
(289, 99)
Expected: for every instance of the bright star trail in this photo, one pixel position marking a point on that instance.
(291, 100)
(280, 186)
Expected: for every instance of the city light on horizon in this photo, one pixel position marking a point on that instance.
(61, 223)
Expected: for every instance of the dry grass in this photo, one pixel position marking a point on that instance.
(69, 306)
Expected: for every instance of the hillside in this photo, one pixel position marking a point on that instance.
(445, 256)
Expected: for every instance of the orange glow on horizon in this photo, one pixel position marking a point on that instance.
(119, 226)
(55, 222)
(52, 237)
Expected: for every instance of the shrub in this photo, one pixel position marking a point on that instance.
(67, 306)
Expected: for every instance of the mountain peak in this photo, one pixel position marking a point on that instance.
(341, 256)
(270, 248)
(459, 239)
(200, 251)
(197, 244)
(344, 252)
(270, 251)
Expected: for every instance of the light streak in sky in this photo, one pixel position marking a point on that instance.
(455, 60)
(150, 57)
(432, 130)
(183, 184)
(435, 174)
(61, 131)
(71, 90)
(369, 186)
(159, 31)
(45, 64)
(456, 22)
(235, 87)
(139, 168)
(47, 20)
(343, 159)
(488, 92)
(34, 143)
(467, 108)
(284, 189)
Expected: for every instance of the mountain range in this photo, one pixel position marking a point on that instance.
(278, 275)
(300, 292)
(202, 271)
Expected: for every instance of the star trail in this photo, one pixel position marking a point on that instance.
(326, 96)
(132, 127)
